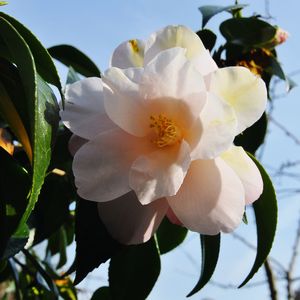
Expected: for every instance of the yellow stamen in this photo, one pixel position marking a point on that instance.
(134, 46)
(166, 130)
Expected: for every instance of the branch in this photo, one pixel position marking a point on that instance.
(271, 280)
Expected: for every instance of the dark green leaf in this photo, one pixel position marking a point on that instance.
(42, 110)
(265, 209)
(13, 200)
(72, 57)
(248, 32)
(134, 271)
(102, 293)
(93, 243)
(208, 11)
(42, 272)
(208, 38)
(44, 64)
(72, 76)
(54, 200)
(169, 236)
(210, 246)
(253, 136)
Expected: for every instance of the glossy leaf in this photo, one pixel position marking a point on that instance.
(102, 293)
(248, 32)
(208, 38)
(265, 209)
(94, 245)
(210, 246)
(208, 11)
(72, 76)
(45, 129)
(254, 136)
(13, 202)
(72, 57)
(169, 236)
(134, 271)
(43, 61)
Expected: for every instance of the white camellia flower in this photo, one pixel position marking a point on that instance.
(155, 136)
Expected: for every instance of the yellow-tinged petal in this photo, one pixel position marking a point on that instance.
(128, 55)
(246, 169)
(245, 92)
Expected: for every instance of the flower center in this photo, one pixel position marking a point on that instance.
(166, 130)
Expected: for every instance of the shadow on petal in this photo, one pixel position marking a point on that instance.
(130, 222)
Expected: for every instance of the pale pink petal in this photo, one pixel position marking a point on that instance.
(173, 36)
(122, 100)
(217, 125)
(245, 92)
(101, 166)
(211, 198)
(171, 85)
(84, 113)
(160, 173)
(130, 222)
(128, 54)
(75, 143)
(204, 63)
(246, 169)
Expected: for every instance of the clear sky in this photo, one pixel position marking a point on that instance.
(97, 27)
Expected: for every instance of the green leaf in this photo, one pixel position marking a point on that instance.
(208, 38)
(72, 76)
(72, 57)
(210, 246)
(102, 293)
(43, 61)
(45, 129)
(3, 3)
(13, 200)
(42, 109)
(208, 11)
(169, 236)
(253, 136)
(93, 243)
(248, 32)
(265, 209)
(134, 271)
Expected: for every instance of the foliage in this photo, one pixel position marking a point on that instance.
(40, 208)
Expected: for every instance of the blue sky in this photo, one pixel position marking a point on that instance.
(97, 27)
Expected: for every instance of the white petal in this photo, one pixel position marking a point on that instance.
(246, 169)
(217, 125)
(129, 54)
(204, 63)
(160, 173)
(75, 143)
(173, 36)
(122, 100)
(171, 75)
(101, 166)
(130, 222)
(244, 91)
(84, 113)
(211, 199)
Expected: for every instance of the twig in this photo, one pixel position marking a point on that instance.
(271, 280)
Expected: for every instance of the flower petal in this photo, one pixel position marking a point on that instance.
(180, 36)
(122, 100)
(246, 169)
(128, 54)
(84, 113)
(218, 125)
(211, 199)
(160, 173)
(76, 142)
(244, 91)
(101, 166)
(130, 222)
